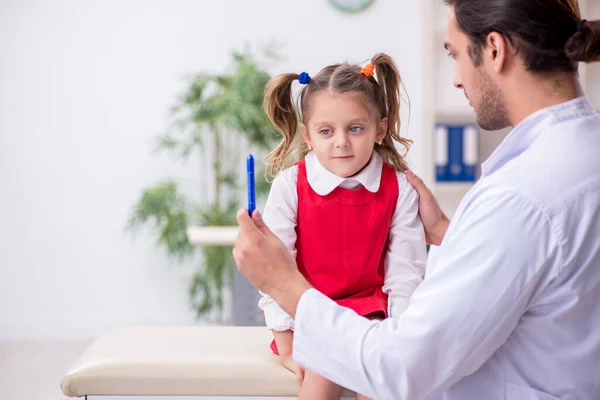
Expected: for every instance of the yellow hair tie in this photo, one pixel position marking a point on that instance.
(368, 69)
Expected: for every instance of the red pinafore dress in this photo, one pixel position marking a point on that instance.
(342, 241)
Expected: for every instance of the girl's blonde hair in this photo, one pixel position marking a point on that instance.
(381, 94)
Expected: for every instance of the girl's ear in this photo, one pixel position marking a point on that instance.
(306, 136)
(382, 129)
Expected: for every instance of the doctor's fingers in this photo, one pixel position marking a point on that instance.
(248, 229)
(424, 193)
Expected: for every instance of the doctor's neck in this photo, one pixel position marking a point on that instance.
(529, 93)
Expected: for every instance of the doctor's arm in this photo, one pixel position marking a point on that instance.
(489, 268)
(488, 271)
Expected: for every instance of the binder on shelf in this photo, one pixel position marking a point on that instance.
(470, 152)
(456, 153)
(441, 154)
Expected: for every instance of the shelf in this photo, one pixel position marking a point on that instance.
(212, 235)
(450, 194)
(452, 187)
(456, 116)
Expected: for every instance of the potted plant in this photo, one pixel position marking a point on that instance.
(212, 116)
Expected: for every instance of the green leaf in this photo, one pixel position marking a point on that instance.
(165, 209)
(229, 101)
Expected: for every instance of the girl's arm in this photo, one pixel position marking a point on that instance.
(280, 216)
(407, 253)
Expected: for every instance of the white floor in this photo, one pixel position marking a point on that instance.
(33, 370)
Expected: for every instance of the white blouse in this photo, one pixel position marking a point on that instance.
(406, 254)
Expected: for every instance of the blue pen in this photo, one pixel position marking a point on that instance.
(251, 186)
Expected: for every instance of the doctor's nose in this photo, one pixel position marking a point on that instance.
(457, 81)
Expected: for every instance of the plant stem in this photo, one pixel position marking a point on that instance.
(217, 168)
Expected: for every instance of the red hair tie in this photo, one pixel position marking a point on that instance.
(368, 69)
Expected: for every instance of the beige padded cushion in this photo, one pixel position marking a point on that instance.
(181, 361)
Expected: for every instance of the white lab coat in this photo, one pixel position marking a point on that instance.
(510, 309)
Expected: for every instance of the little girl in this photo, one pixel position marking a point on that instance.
(346, 210)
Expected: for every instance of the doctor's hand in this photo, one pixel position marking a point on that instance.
(265, 261)
(434, 220)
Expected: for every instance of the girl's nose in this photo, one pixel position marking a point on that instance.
(341, 140)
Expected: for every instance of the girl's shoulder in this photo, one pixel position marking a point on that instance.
(289, 175)
(400, 176)
(402, 180)
(405, 188)
(286, 180)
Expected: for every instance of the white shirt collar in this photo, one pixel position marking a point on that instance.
(524, 134)
(323, 182)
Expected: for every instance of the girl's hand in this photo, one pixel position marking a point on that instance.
(288, 363)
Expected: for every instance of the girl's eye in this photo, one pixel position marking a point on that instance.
(325, 132)
(355, 129)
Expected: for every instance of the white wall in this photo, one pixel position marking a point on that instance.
(84, 89)
(592, 12)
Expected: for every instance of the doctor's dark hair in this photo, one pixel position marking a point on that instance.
(549, 35)
(380, 94)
